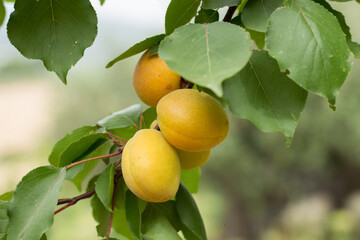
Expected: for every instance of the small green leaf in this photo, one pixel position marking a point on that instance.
(127, 117)
(73, 145)
(137, 48)
(180, 12)
(190, 179)
(156, 226)
(43, 237)
(4, 219)
(101, 150)
(2, 12)
(6, 197)
(104, 187)
(204, 53)
(102, 2)
(307, 40)
(133, 214)
(256, 13)
(149, 115)
(189, 213)
(207, 16)
(214, 4)
(32, 209)
(56, 32)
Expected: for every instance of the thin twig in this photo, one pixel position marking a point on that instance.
(116, 136)
(73, 201)
(230, 12)
(140, 123)
(113, 140)
(116, 178)
(94, 158)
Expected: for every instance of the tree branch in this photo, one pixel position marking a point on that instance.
(230, 12)
(73, 201)
(94, 158)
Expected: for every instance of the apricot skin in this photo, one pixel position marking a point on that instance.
(151, 166)
(190, 160)
(191, 120)
(153, 124)
(153, 79)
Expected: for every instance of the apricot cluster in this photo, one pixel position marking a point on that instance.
(191, 123)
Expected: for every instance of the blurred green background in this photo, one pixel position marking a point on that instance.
(252, 188)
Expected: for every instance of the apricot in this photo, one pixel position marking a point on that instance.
(190, 160)
(151, 166)
(191, 120)
(153, 79)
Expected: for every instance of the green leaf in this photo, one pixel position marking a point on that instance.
(101, 150)
(180, 12)
(125, 133)
(205, 53)
(2, 12)
(102, 2)
(57, 32)
(190, 179)
(353, 46)
(127, 117)
(258, 38)
(43, 237)
(73, 145)
(189, 213)
(207, 16)
(156, 226)
(256, 13)
(4, 220)
(307, 40)
(133, 214)
(6, 197)
(137, 48)
(168, 210)
(149, 115)
(32, 209)
(214, 4)
(104, 187)
(264, 95)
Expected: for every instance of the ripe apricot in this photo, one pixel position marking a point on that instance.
(191, 120)
(151, 166)
(153, 79)
(190, 160)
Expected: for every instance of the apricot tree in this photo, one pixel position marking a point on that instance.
(261, 60)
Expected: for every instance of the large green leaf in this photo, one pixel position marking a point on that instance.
(4, 219)
(256, 13)
(104, 187)
(74, 145)
(206, 54)
(190, 179)
(307, 40)
(264, 95)
(189, 213)
(156, 226)
(168, 210)
(353, 46)
(213, 4)
(2, 12)
(127, 117)
(137, 48)
(133, 214)
(32, 209)
(179, 13)
(101, 150)
(57, 32)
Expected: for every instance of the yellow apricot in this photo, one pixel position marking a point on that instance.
(190, 160)
(153, 79)
(153, 124)
(151, 166)
(191, 120)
